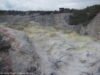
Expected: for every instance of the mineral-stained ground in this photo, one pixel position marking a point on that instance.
(64, 52)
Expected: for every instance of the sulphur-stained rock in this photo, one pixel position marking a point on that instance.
(17, 53)
(65, 52)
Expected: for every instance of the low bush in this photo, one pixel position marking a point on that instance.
(84, 16)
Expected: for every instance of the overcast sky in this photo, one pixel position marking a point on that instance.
(45, 4)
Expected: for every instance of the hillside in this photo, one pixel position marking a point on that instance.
(68, 19)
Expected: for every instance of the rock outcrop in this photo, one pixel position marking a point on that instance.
(93, 28)
(17, 53)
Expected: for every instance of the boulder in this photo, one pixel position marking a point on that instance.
(17, 53)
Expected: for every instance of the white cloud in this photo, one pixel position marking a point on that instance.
(44, 4)
(79, 4)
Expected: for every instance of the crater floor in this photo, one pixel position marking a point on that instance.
(65, 52)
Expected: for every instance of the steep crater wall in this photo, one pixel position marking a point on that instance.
(59, 20)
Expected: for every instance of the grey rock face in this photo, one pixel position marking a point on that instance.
(17, 53)
(59, 20)
(52, 19)
(14, 19)
(93, 28)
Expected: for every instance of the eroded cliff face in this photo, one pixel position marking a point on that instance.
(59, 20)
(93, 28)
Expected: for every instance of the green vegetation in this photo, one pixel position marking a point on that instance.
(14, 12)
(84, 16)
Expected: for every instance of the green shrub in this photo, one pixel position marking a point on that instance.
(84, 16)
